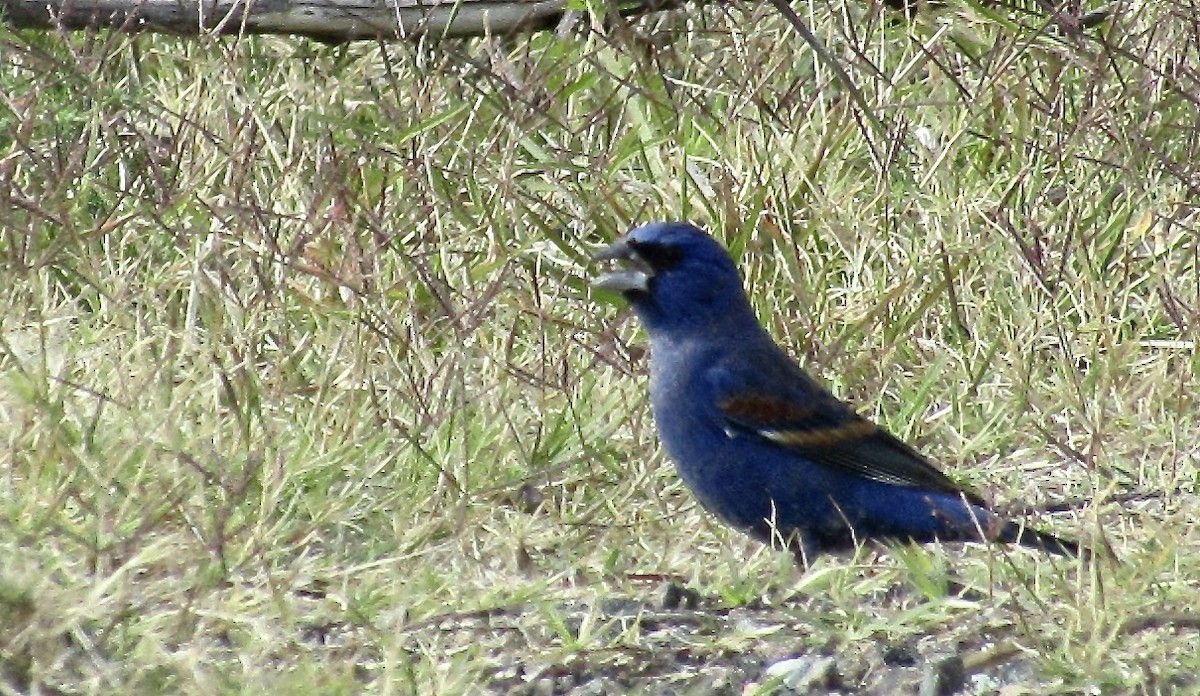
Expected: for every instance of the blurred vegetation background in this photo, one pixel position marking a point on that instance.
(304, 390)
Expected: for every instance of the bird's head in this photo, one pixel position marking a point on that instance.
(678, 279)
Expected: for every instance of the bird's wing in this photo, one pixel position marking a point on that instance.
(794, 412)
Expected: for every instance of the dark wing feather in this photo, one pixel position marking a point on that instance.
(827, 432)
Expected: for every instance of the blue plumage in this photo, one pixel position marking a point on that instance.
(759, 442)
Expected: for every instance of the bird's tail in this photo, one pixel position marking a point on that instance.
(1014, 533)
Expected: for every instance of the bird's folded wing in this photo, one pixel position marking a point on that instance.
(828, 432)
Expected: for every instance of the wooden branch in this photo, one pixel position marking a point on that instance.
(327, 20)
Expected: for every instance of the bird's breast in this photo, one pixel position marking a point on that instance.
(689, 422)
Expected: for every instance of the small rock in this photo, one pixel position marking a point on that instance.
(527, 499)
(894, 680)
(1056, 194)
(543, 687)
(943, 676)
(803, 674)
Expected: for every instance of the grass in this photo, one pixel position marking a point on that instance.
(305, 391)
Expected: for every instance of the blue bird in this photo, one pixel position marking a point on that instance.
(761, 444)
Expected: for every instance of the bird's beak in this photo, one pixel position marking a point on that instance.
(623, 280)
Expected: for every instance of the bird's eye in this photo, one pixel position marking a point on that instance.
(661, 257)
